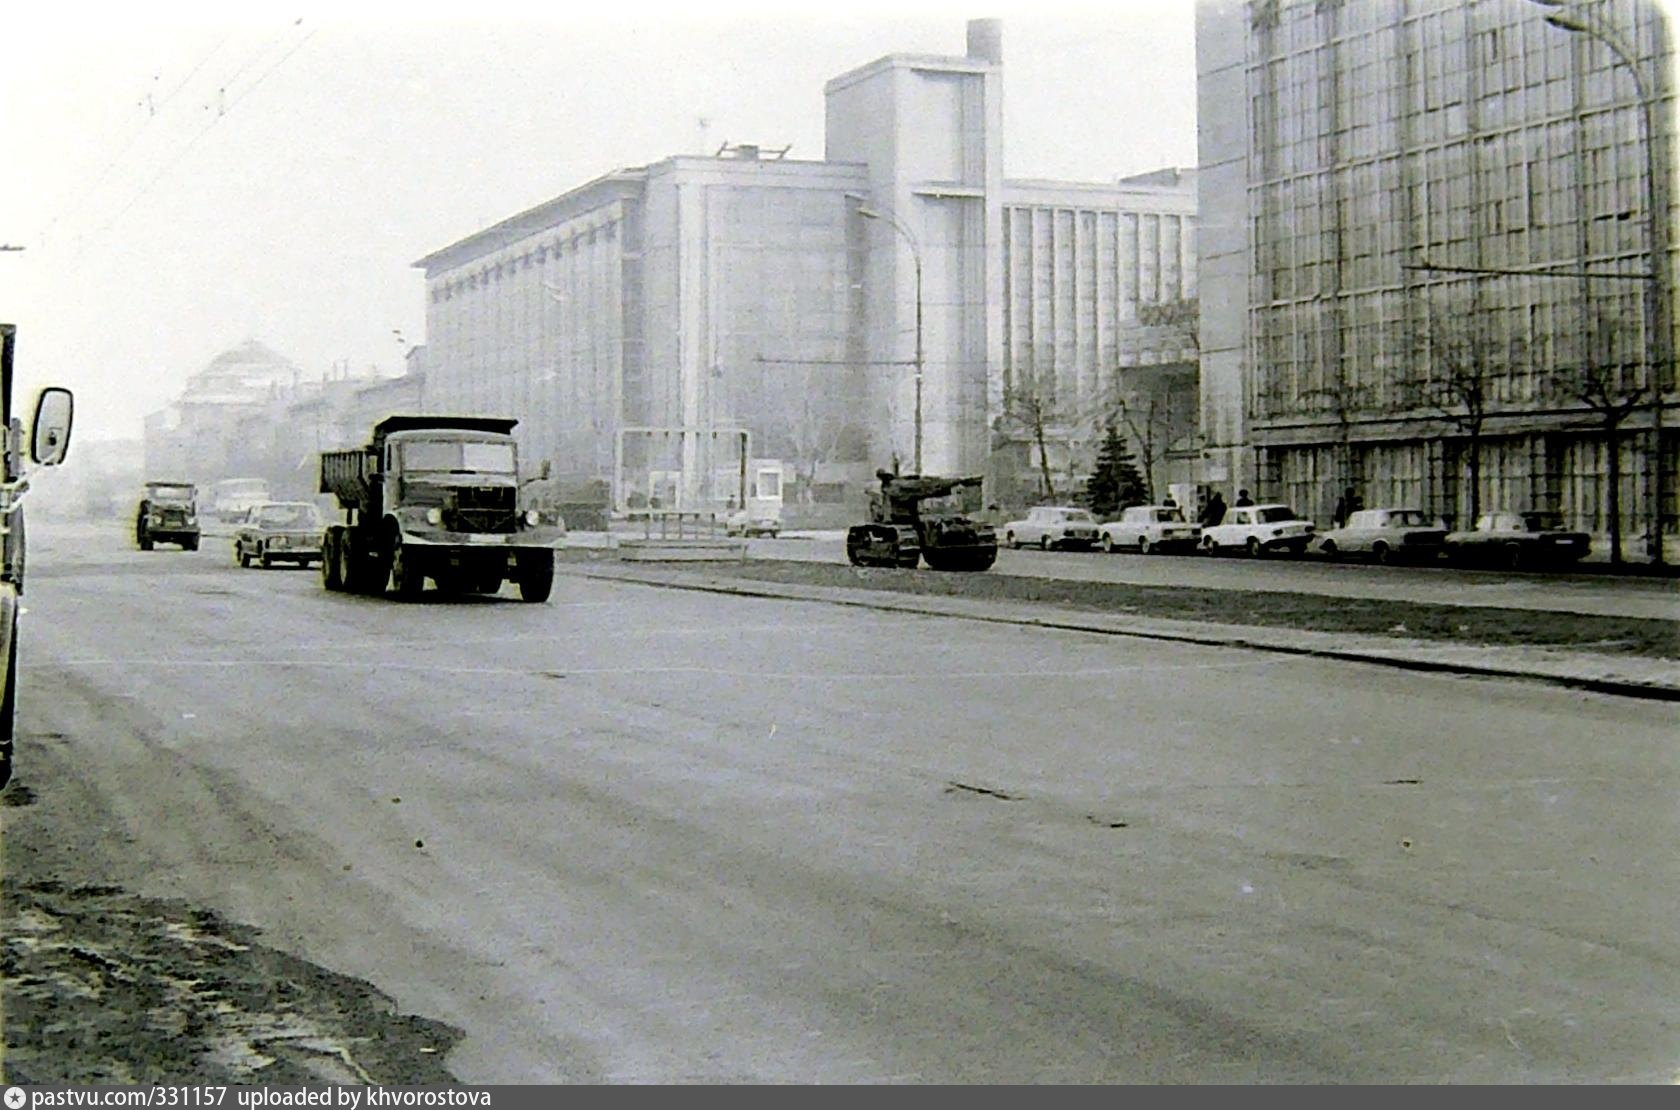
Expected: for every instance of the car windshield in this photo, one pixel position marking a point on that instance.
(1274, 514)
(1410, 518)
(1541, 522)
(458, 456)
(1078, 516)
(170, 493)
(1168, 516)
(289, 516)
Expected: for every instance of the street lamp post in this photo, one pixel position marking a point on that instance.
(1658, 334)
(869, 213)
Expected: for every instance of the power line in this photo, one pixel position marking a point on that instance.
(224, 109)
(134, 136)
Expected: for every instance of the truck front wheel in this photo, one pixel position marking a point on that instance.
(536, 575)
(406, 579)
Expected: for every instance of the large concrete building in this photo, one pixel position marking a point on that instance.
(1410, 215)
(786, 298)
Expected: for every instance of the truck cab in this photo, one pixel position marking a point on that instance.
(49, 442)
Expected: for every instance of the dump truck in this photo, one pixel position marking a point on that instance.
(435, 497)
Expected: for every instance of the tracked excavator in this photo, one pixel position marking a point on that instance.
(902, 532)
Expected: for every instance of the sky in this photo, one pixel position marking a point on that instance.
(181, 183)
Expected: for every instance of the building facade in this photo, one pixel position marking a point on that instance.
(1425, 250)
(899, 292)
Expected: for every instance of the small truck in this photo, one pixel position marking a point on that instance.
(435, 497)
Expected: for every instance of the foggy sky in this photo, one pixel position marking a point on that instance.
(181, 185)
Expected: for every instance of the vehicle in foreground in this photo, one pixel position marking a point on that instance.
(168, 513)
(435, 497)
(1531, 539)
(279, 532)
(912, 518)
(1150, 528)
(1049, 526)
(1386, 535)
(232, 499)
(1258, 529)
(49, 442)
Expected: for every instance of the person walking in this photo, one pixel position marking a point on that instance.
(1243, 499)
(1214, 511)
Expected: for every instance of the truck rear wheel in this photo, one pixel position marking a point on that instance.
(536, 575)
(332, 573)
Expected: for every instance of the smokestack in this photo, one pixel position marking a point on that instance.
(985, 40)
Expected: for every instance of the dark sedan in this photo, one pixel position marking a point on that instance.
(1533, 539)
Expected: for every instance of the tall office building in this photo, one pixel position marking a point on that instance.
(1424, 244)
(786, 297)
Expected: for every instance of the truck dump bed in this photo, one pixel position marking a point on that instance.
(346, 473)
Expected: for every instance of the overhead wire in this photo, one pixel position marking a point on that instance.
(135, 134)
(223, 108)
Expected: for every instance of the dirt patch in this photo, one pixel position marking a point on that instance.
(1310, 612)
(102, 987)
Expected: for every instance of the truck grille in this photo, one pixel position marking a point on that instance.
(482, 509)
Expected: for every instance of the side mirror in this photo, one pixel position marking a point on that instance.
(49, 437)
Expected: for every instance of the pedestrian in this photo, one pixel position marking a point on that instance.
(1356, 503)
(1214, 511)
(1339, 515)
(1243, 498)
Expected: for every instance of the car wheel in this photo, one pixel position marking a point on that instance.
(1143, 545)
(1252, 547)
(1209, 545)
(1107, 544)
(1009, 538)
(1328, 548)
(1380, 552)
(1044, 543)
(330, 579)
(1513, 556)
(240, 557)
(535, 572)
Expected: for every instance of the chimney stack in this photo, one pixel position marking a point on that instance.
(985, 40)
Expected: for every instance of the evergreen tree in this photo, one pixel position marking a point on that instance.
(1115, 482)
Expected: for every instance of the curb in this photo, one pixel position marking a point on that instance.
(1387, 657)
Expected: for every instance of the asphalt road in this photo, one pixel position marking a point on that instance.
(647, 835)
(1440, 584)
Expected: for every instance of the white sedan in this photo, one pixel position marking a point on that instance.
(1150, 528)
(1257, 529)
(1053, 526)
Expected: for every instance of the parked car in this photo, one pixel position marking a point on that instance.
(1387, 534)
(1517, 539)
(168, 513)
(279, 532)
(1257, 529)
(1150, 528)
(1053, 526)
(753, 522)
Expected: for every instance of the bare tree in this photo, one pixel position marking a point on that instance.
(1599, 383)
(1456, 383)
(1029, 409)
(1148, 422)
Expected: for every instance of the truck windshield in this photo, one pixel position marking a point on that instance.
(170, 493)
(458, 456)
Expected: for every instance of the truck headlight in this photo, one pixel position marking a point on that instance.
(532, 517)
(434, 516)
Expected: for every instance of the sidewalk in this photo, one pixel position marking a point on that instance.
(1623, 675)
